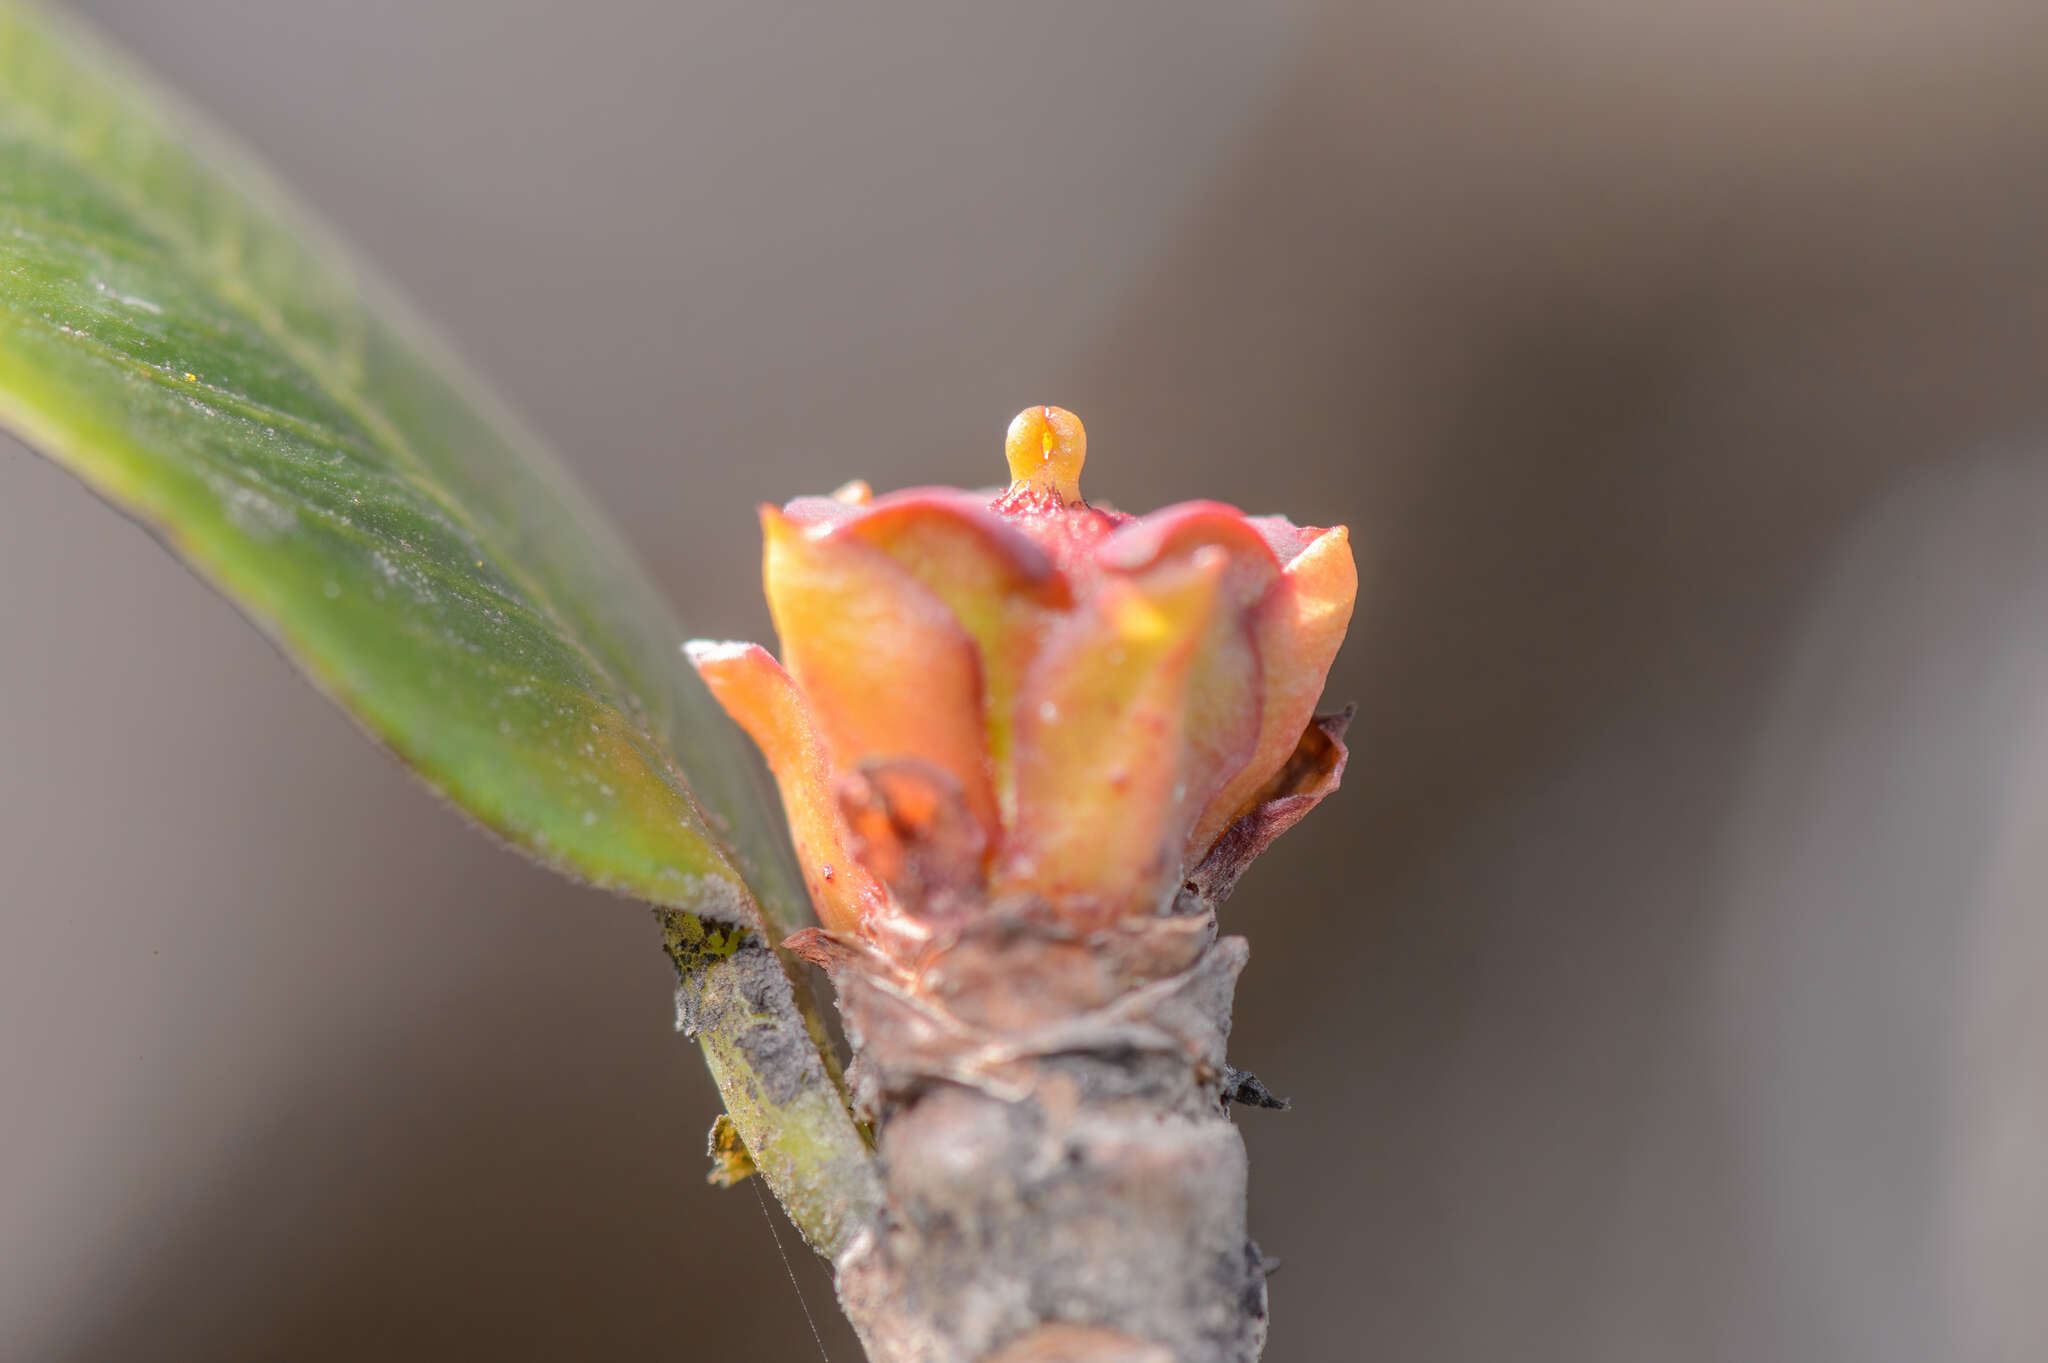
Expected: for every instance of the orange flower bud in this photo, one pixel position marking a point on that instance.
(1031, 702)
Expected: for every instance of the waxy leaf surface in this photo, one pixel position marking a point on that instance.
(174, 333)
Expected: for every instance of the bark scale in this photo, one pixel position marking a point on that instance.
(1061, 1179)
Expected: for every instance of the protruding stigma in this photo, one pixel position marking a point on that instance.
(1046, 448)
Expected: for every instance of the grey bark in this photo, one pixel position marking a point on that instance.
(1061, 1178)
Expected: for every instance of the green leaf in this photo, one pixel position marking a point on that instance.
(174, 333)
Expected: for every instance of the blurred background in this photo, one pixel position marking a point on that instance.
(1665, 983)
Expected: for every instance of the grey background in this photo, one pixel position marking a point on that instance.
(1666, 982)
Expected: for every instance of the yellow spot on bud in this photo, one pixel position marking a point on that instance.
(1046, 448)
(1140, 622)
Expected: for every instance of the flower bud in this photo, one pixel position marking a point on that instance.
(1029, 704)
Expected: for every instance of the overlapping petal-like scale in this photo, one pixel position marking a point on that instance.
(1227, 689)
(1298, 627)
(888, 669)
(1103, 719)
(1183, 530)
(998, 584)
(842, 505)
(1284, 537)
(764, 701)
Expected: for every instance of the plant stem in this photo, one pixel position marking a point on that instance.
(780, 1082)
(1063, 1183)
